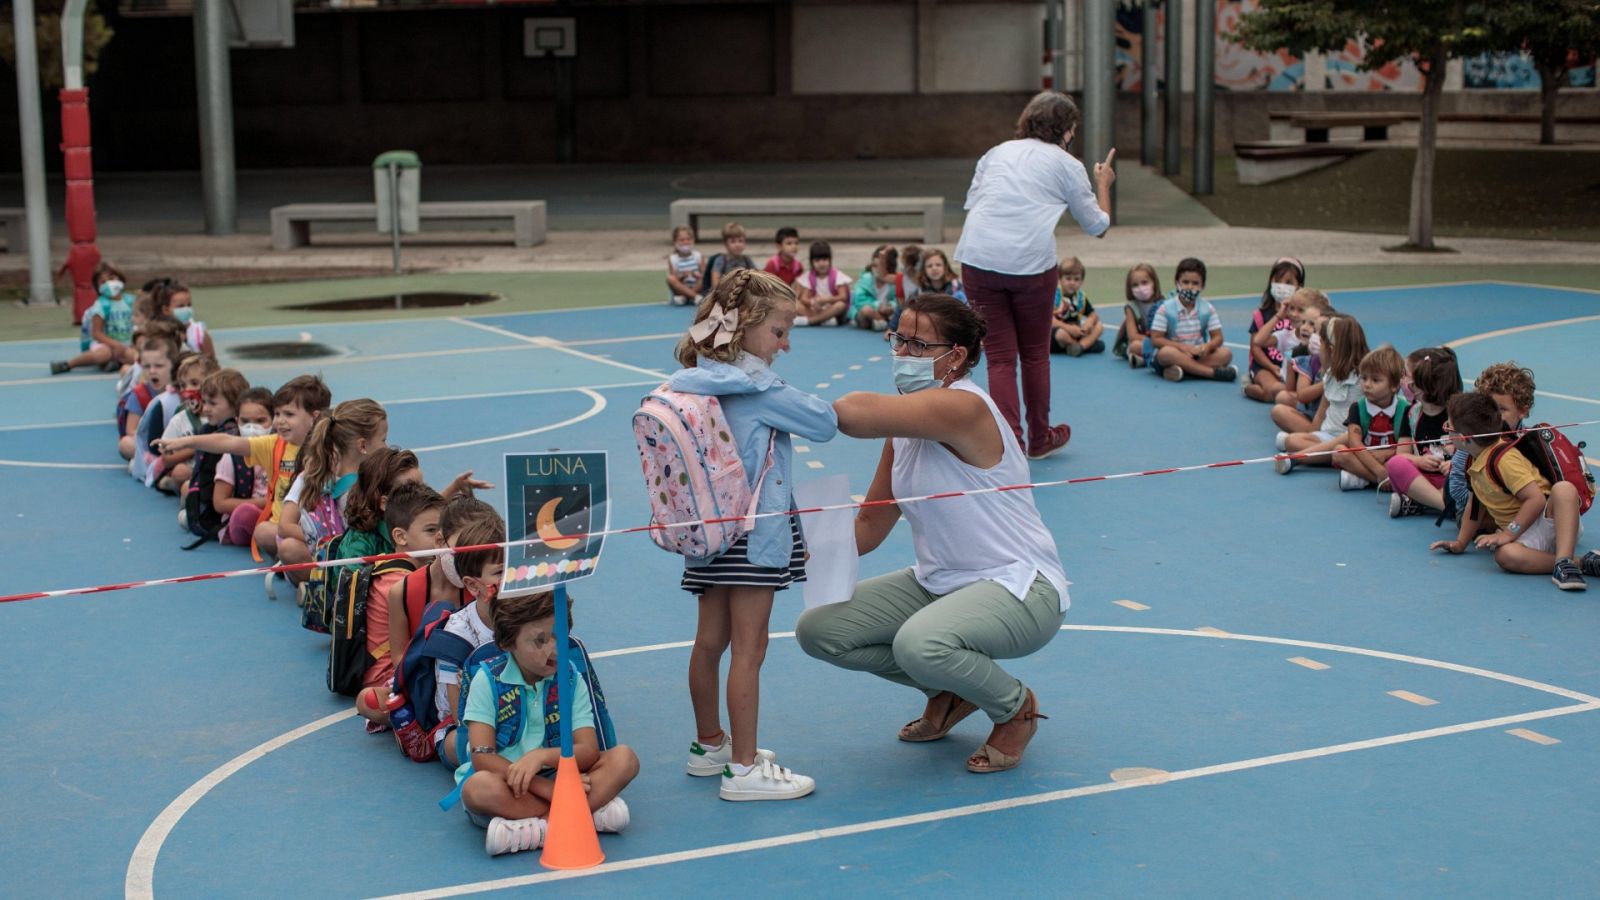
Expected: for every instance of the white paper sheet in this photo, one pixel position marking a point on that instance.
(834, 565)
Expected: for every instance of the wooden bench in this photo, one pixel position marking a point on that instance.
(1263, 162)
(689, 211)
(291, 225)
(14, 227)
(1317, 125)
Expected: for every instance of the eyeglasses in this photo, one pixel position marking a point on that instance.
(915, 346)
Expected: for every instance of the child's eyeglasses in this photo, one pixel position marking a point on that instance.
(915, 346)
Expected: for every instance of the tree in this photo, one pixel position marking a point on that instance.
(1556, 34)
(1427, 32)
(47, 34)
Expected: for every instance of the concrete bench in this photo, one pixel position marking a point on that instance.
(1263, 162)
(14, 228)
(291, 225)
(689, 211)
(1317, 126)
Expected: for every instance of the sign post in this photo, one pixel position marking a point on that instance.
(558, 500)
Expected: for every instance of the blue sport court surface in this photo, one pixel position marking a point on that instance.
(1265, 687)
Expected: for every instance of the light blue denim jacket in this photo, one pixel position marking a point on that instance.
(757, 404)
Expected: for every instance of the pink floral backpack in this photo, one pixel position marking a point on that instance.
(692, 473)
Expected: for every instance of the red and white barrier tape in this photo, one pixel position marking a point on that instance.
(893, 501)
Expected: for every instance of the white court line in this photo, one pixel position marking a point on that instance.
(59, 379)
(30, 464)
(594, 410)
(139, 882)
(554, 344)
(1519, 329)
(1553, 287)
(84, 423)
(1556, 396)
(624, 340)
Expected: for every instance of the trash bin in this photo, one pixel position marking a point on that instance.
(400, 192)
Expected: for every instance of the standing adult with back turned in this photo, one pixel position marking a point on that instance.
(1008, 254)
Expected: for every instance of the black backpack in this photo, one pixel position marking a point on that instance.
(348, 659)
(199, 504)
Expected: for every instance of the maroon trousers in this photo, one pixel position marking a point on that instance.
(1017, 311)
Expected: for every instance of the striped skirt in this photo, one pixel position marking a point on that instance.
(735, 567)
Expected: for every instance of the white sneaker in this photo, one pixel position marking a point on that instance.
(765, 781)
(612, 817)
(801, 322)
(512, 835)
(272, 588)
(1281, 441)
(707, 761)
(1350, 481)
(1283, 465)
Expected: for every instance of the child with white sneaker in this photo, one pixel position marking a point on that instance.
(1377, 423)
(737, 334)
(1344, 345)
(507, 785)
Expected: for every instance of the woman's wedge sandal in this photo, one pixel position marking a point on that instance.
(921, 729)
(997, 760)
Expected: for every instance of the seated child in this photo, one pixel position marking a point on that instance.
(785, 263)
(107, 335)
(1075, 327)
(1537, 523)
(330, 463)
(1513, 390)
(411, 518)
(160, 359)
(477, 572)
(879, 291)
(411, 596)
(138, 389)
(683, 268)
(226, 487)
(507, 785)
(173, 299)
(934, 275)
(1377, 423)
(1186, 333)
(1287, 277)
(1141, 289)
(1417, 473)
(1300, 346)
(823, 291)
(170, 473)
(730, 260)
(255, 420)
(1344, 346)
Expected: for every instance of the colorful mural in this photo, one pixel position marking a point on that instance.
(1515, 71)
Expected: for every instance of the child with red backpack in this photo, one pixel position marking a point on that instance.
(824, 291)
(1532, 485)
(699, 464)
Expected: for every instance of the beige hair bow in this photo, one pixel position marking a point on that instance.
(719, 322)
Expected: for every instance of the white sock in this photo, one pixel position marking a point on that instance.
(710, 747)
(740, 770)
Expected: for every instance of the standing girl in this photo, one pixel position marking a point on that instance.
(1418, 474)
(1266, 360)
(1344, 345)
(738, 332)
(315, 504)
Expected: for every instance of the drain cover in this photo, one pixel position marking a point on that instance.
(417, 300)
(282, 350)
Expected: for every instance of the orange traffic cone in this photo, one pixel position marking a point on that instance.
(570, 841)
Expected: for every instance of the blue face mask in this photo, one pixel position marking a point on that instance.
(110, 288)
(915, 373)
(183, 314)
(1188, 295)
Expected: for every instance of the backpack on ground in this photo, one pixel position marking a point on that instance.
(200, 511)
(692, 472)
(1553, 455)
(509, 702)
(348, 657)
(415, 682)
(318, 592)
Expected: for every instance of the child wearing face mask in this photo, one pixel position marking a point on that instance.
(173, 299)
(254, 419)
(172, 470)
(1288, 276)
(737, 334)
(683, 268)
(107, 336)
(1186, 332)
(1141, 289)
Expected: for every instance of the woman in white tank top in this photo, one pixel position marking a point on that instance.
(987, 583)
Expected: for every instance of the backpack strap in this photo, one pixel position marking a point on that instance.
(507, 716)
(1366, 418)
(1492, 464)
(279, 447)
(749, 522)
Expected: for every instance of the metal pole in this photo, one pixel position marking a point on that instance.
(1172, 103)
(394, 218)
(1205, 56)
(1099, 79)
(37, 203)
(1150, 116)
(1056, 38)
(215, 84)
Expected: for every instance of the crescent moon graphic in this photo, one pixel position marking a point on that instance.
(548, 532)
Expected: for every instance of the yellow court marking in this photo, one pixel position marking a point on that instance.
(1309, 663)
(1207, 629)
(1131, 604)
(1409, 697)
(814, 463)
(1529, 734)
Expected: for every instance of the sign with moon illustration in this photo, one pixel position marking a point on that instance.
(557, 500)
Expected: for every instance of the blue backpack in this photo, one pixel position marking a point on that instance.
(508, 704)
(414, 677)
